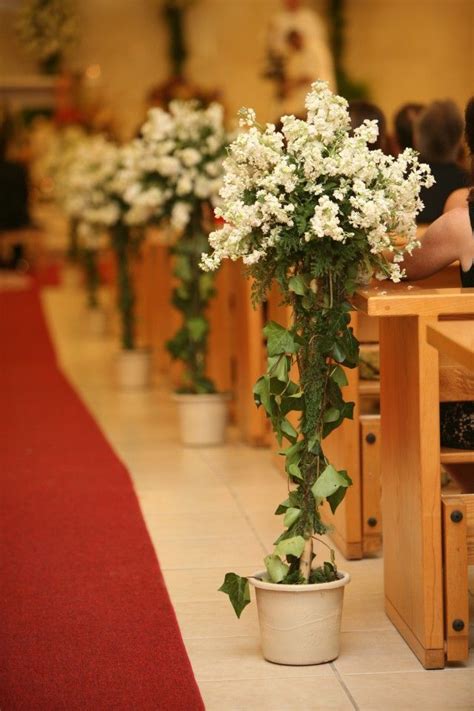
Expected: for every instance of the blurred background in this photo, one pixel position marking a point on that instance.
(395, 51)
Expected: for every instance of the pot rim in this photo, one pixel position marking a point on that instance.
(257, 582)
(200, 397)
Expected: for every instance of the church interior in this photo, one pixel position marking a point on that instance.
(236, 355)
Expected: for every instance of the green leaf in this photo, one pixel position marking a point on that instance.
(335, 499)
(237, 588)
(280, 371)
(279, 339)
(338, 375)
(288, 430)
(297, 285)
(197, 328)
(295, 471)
(331, 415)
(291, 516)
(329, 482)
(291, 546)
(261, 393)
(276, 568)
(282, 508)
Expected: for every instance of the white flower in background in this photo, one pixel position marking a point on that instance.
(89, 185)
(175, 165)
(47, 27)
(284, 192)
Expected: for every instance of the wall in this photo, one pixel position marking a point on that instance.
(404, 49)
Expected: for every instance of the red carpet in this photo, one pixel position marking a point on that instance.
(85, 619)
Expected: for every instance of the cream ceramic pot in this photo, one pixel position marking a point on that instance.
(202, 418)
(300, 624)
(133, 369)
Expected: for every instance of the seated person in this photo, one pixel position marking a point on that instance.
(359, 111)
(451, 238)
(438, 138)
(14, 213)
(404, 123)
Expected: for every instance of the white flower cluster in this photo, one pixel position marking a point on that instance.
(314, 180)
(174, 165)
(47, 27)
(85, 180)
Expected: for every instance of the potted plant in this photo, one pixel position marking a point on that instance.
(176, 166)
(99, 175)
(313, 208)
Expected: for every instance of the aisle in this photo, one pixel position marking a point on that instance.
(209, 511)
(86, 621)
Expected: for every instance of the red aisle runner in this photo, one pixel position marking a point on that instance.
(85, 619)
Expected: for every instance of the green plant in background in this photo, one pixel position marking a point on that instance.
(313, 209)
(47, 28)
(92, 277)
(347, 87)
(125, 244)
(174, 175)
(191, 297)
(174, 12)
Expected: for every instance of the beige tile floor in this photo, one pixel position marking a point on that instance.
(209, 511)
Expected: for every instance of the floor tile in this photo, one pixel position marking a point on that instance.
(431, 690)
(316, 694)
(232, 658)
(375, 651)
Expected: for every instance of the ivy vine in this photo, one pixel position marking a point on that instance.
(191, 297)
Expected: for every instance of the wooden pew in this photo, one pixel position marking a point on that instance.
(456, 341)
(357, 523)
(413, 560)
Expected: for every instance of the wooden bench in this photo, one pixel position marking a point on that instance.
(410, 456)
(456, 341)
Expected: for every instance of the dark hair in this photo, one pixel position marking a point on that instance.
(359, 111)
(404, 121)
(469, 134)
(438, 132)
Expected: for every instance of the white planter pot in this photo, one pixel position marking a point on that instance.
(96, 319)
(133, 369)
(300, 624)
(202, 418)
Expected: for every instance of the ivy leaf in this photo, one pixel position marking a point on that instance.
(237, 588)
(277, 570)
(278, 367)
(294, 470)
(282, 508)
(331, 415)
(291, 516)
(197, 328)
(329, 482)
(261, 393)
(335, 499)
(291, 546)
(297, 285)
(339, 377)
(288, 430)
(279, 339)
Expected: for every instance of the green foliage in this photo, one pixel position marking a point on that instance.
(237, 588)
(125, 244)
(91, 272)
(319, 344)
(191, 297)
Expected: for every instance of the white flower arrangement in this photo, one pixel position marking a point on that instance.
(86, 187)
(47, 27)
(175, 165)
(288, 191)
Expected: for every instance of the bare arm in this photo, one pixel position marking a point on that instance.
(448, 239)
(458, 198)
